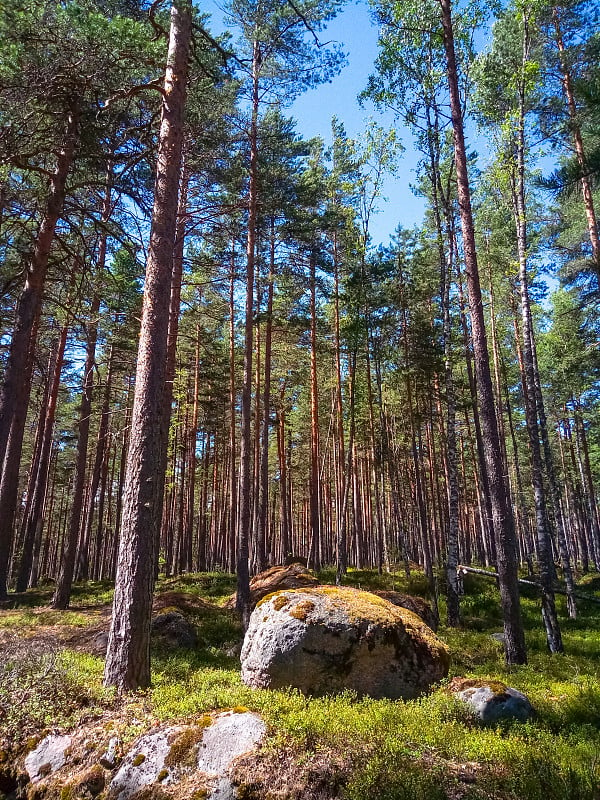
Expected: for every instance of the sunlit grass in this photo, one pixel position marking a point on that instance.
(420, 750)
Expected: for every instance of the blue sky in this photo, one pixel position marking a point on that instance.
(313, 111)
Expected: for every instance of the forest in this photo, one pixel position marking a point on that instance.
(210, 366)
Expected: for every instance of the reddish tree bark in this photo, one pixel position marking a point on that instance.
(128, 654)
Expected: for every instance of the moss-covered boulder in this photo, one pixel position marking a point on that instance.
(275, 579)
(172, 629)
(417, 605)
(327, 639)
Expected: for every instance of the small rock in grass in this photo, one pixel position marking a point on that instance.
(109, 759)
(143, 764)
(492, 701)
(172, 628)
(231, 735)
(49, 756)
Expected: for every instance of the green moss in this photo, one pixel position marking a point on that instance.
(164, 773)
(183, 747)
(67, 792)
(139, 759)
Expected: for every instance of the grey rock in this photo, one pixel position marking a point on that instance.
(327, 639)
(223, 789)
(494, 703)
(231, 735)
(99, 644)
(172, 628)
(49, 756)
(144, 763)
(109, 759)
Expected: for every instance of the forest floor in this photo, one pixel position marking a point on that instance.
(336, 746)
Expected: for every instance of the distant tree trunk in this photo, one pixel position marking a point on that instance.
(588, 482)
(342, 528)
(245, 520)
(263, 499)
(16, 386)
(191, 457)
(314, 557)
(284, 493)
(99, 473)
(575, 127)
(34, 519)
(128, 653)
(62, 593)
(233, 473)
(514, 639)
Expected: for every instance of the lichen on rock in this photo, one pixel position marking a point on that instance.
(491, 701)
(327, 638)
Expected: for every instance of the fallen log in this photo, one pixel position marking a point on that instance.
(464, 569)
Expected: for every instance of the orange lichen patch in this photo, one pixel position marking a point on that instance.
(364, 607)
(356, 603)
(280, 602)
(302, 609)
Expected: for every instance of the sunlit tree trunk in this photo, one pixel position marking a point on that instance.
(575, 127)
(514, 639)
(128, 653)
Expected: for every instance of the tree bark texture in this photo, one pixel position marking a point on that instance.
(128, 654)
(504, 531)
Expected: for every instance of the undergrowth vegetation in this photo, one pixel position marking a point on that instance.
(423, 750)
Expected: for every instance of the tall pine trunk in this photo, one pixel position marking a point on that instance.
(245, 511)
(128, 653)
(544, 550)
(575, 127)
(504, 531)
